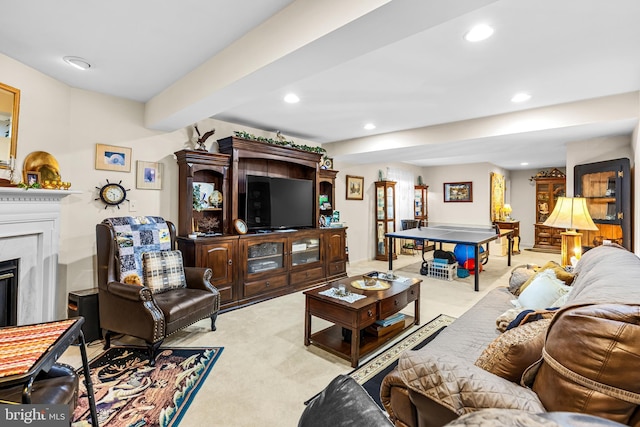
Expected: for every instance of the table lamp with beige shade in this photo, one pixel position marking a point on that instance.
(571, 213)
(506, 210)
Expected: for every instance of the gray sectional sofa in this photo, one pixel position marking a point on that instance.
(591, 362)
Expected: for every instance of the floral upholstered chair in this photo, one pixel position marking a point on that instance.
(144, 289)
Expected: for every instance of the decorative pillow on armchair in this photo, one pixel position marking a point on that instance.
(163, 271)
(135, 236)
(514, 351)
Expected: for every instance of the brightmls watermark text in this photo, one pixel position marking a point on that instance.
(34, 415)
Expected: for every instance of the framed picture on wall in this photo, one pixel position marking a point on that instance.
(112, 158)
(496, 196)
(458, 192)
(149, 175)
(355, 187)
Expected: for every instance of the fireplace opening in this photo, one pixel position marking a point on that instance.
(9, 293)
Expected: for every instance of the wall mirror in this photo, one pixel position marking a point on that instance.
(9, 110)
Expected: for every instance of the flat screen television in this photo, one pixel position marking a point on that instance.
(278, 203)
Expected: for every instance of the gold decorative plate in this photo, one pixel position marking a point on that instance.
(379, 285)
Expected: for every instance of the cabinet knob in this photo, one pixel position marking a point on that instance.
(268, 284)
(395, 302)
(413, 292)
(370, 313)
(230, 262)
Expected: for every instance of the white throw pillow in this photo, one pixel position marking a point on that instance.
(543, 291)
(562, 300)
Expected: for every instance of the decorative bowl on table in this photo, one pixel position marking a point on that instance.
(369, 280)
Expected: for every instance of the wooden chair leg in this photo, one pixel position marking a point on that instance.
(152, 350)
(214, 317)
(107, 340)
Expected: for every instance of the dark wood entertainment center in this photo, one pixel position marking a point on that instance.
(258, 265)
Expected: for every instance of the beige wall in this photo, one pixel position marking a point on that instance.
(68, 123)
(358, 215)
(596, 150)
(476, 212)
(635, 146)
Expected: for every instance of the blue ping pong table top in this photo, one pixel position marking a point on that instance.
(451, 233)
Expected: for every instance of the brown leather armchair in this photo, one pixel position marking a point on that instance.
(57, 386)
(136, 309)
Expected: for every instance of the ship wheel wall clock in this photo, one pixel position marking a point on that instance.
(112, 194)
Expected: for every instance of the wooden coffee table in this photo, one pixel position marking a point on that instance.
(356, 316)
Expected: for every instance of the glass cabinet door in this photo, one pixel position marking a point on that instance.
(600, 191)
(390, 204)
(385, 213)
(265, 256)
(381, 248)
(606, 186)
(380, 203)
(305, 251)
(420, 204)
(543, 202)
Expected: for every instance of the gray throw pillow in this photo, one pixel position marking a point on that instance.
(519, 275)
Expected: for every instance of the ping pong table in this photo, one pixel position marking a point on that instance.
(465, 235)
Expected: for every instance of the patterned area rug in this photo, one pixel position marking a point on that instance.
(129, 392)
(371, 374)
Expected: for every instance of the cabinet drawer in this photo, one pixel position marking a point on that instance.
(337, 267)
(306, 276)
(368, 316)
(265, 285)
(393, 304)
(360, 318)
(226, 294)
(413, 293)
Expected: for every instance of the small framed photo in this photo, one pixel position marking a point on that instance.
(149, 175)
(458, 192)
(32, 177)
(355, 187)
(112, 158)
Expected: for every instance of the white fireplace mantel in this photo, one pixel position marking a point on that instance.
(30, 232)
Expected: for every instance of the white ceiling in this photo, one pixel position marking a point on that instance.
(401, 64)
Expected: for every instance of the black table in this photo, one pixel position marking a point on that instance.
(475, 236)
(64, 333)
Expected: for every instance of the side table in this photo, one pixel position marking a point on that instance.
(355, 317)
(40, 345)
(85, 303)
(515, 226)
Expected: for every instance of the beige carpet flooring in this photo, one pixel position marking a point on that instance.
(265, 372)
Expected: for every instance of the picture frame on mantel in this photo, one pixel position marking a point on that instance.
(113, 158)
(458, 192)
(148, 175)
(32, 178)
(355, 187)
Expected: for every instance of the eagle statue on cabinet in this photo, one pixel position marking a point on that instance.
(202, 138)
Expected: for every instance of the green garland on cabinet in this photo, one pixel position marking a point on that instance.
(284, 143)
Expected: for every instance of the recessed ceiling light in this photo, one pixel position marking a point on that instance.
(369, 126)
(524, 164)
(521, 97)
(291, 98)
(77, 62)
(478, 33)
